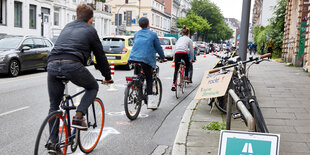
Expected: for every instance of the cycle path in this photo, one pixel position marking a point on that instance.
(283, 93)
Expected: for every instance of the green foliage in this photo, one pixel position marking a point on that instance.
(215, 126)
(219, 29)
(103, 1)
(193, 22)
(274, 30)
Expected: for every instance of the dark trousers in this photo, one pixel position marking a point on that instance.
(190, 71)
(270, 51)
(177, 58)
(78, 75)
(148, 72)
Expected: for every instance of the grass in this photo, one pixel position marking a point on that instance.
(215, 126)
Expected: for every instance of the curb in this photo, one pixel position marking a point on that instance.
(179, 147)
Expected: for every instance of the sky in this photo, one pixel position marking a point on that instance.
(231, 8)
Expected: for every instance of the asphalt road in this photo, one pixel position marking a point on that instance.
(24, 105)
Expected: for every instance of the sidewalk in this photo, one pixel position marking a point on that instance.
(283, 94)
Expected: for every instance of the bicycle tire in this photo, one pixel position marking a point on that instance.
(158, 90)
(177, 95)
(88, 139)
(260, 125)
(131, 98)
(182, 82)
(43, 138)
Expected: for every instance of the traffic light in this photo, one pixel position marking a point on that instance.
(126, 1)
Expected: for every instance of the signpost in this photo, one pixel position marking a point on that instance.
(248, 143)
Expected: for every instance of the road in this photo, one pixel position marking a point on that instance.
(24, 104)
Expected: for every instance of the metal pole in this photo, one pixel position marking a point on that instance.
(117, 29)
(243, 43)
(42, 24)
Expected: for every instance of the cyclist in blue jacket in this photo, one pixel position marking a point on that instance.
(146, 45)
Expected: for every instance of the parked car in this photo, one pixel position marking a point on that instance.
(117, 49)
(20, 53)
(168, 45)
(196, 49)
(202, 47)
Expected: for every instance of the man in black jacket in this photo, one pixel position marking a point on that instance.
(72, 50)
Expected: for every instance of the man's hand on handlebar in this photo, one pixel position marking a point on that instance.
(163, 60)
(107, 81)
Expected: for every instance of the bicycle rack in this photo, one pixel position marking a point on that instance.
(248, 117)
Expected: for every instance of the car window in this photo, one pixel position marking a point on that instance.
(39, 43)
(130, 42)
(10, 43)
(29, 43)
(113, 42)
(164, 41)
(173, 41)
(48, 43)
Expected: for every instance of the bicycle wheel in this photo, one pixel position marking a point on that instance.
(88, 139)
(53, 135)
(157, 91)
(260, 125)
(132, 103)
(182, 82)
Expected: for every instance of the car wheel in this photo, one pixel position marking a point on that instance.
(14, 68)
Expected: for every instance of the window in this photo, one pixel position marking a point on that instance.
(144, 14)
(56, 17)
(39, 43)
(17, 14)
(48, 43)
(130, 42)
(29, 43)
(2, 11)
(32, 16)
(153, 19)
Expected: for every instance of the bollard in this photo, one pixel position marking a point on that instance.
(112, 88)
(173, 65)
(205, 55)
(212, 53)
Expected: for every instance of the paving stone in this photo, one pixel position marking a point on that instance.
(202, 150)
(295, 110)
(281, 129)
(303, 129)
(295, 137)
(280, 115)
(294, 147)
(298, 123)
(303, 116)
(208, 139)
(275, 122)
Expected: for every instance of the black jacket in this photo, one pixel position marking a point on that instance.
(76, 41)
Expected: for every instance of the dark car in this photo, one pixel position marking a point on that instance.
(20, 53)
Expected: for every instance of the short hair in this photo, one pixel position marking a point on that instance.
(84, 12)
(143, 22)
(185, 31)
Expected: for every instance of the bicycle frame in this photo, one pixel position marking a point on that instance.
(182, 73)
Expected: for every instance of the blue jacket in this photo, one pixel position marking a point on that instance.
(146, 44)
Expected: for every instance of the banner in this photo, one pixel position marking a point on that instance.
(214, 85)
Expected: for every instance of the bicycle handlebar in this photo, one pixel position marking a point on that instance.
(243, 62)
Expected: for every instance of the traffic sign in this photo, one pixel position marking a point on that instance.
(248, 143)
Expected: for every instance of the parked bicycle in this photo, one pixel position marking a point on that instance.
(221, 102)
(56, 134)
(135, 92)
(243, 94)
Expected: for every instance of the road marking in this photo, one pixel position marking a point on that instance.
(14, 111)
(122, 123)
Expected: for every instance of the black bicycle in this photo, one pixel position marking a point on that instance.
(244, 95)
(135, 92)
(56, 134)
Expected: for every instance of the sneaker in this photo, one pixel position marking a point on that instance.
(186, 79)
(173, 87)
(151, 103)
(79, 122)
(53, 149)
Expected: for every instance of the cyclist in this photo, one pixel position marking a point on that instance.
(71, 51)
(183, 47)
(146, 44)
(191, 69)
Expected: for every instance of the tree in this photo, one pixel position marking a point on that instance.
(193, 22)
(219, 29)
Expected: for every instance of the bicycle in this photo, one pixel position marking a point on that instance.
(58, 123)
(135, 92)
(180, 84)
(221, 102)
(243, 94)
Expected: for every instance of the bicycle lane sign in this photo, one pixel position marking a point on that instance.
(248, 143)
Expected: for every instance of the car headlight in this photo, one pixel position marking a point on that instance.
(2, 57)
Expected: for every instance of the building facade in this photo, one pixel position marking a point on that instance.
(234, 24)
(296, 42)
(127, 15)
(24, 17)
(263, 11)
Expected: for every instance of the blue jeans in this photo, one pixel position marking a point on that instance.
(78, 75)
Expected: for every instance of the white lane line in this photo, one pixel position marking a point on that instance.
(14, 111)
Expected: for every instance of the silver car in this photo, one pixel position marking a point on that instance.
(168, 45)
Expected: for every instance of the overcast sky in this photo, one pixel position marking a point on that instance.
(231, 8)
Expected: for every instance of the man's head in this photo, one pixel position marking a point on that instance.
(144, 22)
(85, 12)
